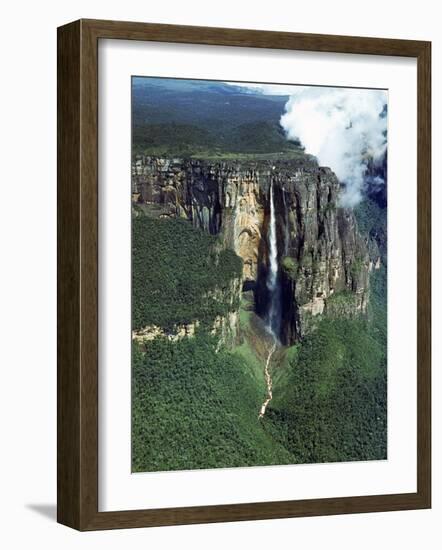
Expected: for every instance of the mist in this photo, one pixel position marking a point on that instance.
(344, 128)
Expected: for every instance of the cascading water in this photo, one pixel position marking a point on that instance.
(273, 322)
(286, 225)
(274, 309)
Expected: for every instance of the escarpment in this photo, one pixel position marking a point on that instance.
(223, 325)
(324, 262)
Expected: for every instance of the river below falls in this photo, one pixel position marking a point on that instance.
(268, 380)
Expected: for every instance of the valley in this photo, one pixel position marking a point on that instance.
(255, 268)
(259, 301)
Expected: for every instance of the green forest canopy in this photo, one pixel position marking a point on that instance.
(195, 117)
(174, 269)
(196, 406)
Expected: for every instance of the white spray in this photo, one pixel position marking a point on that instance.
(286, 225)
(272, 324)
(272, 277)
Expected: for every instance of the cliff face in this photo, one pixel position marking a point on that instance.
(320, 251)
(224, 327)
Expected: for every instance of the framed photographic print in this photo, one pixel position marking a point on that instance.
(243, 275)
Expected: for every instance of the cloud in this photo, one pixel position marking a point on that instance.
(343, 128)
(267, 89)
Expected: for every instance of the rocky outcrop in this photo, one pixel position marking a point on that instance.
(224, 327)
(320, 250)
(150, 332)
(222, 198)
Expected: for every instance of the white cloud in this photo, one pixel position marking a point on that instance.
(343, 128)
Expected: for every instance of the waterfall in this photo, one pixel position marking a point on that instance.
(287, 221)
(273, 321)
(273, 316)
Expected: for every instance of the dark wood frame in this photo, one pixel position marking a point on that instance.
(78, 268)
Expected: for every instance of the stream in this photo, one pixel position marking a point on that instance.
(268, 379)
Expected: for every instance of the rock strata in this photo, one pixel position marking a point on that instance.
(320, 249)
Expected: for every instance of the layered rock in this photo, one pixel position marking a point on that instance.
(222, 198)
(224, 327)
(320, 250)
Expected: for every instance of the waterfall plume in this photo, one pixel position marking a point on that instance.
(286, 224)
(274, 309)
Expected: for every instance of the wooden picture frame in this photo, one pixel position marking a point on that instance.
(78, 274)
